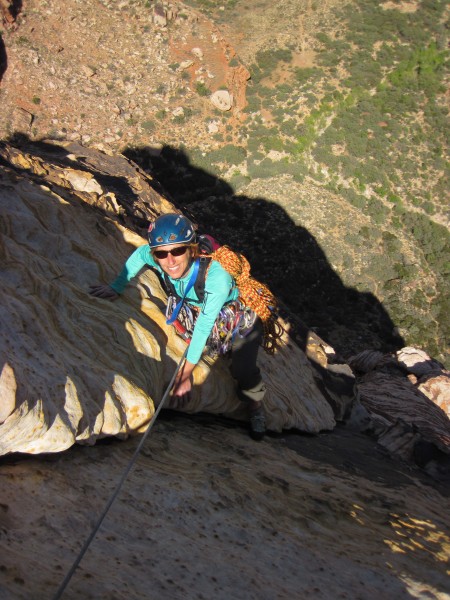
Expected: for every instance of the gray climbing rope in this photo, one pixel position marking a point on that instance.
(83, 550)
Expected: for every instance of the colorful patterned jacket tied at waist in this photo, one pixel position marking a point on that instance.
(235, 319)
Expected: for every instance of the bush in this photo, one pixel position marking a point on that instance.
(229, 155)
(302, 75)
(202, 89)
(148, 125)
(267, 61)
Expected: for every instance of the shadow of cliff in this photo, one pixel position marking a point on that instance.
(9, 11)
(282, 254)
(3, 59)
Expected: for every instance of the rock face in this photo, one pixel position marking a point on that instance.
(292, 516)
(76, 368)
(407, 395)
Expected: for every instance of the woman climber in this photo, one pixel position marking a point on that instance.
(218, 323)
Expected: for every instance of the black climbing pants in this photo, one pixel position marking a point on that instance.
(244, 369)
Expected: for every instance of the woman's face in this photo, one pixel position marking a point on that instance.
(177, 264)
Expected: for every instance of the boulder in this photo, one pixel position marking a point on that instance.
(222, 99)
(407, 412)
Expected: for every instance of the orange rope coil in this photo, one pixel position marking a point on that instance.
(253, 294)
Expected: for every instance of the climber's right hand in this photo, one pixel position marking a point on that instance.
(103, 291)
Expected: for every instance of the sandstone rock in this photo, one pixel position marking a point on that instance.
(22, 120)
(159, 16)
(437, 388)
(76, 368)
(88, 71)
(82, 181)
(366, 361)
(405, 411)
(222, 99)
(213, 127)
(395, 398)
(417, 361)
(134, 190)
(185, 64)
(197, 52)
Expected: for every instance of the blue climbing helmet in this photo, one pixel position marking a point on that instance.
(170, 229)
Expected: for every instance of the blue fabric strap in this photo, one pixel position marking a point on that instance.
(188, 287)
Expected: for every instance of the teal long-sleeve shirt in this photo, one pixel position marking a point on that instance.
(219, 289)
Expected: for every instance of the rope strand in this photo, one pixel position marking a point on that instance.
(87, 543)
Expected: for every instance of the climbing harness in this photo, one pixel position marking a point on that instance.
(234, 319)
(191, 282)
(83, 550)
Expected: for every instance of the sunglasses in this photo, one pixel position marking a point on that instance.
(178, 251)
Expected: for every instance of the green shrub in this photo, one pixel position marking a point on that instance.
(273, 143)
(391, 243)
(239, 180)
(267, 61)
(229, 155)
(202, 89)
(148, 125)
(353, 197)
(303, 75)
(253, 104)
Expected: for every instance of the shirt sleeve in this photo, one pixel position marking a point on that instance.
(140, 258)
(219, 287)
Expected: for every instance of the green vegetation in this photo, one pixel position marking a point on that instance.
(228, 155)
(202, 89)
(267, 61)
(367, 121)
(148, 125)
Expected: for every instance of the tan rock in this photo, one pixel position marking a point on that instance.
(77, 368)
(159, 16)
(83, 181)
(406, 409)
(197, 52)
(437, 389)
(417, 361)
(222, 99)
